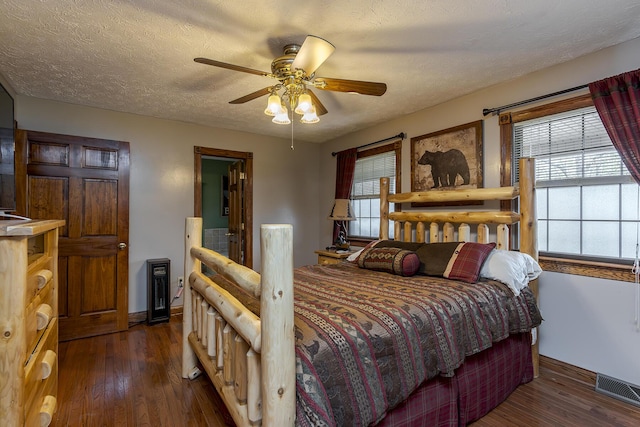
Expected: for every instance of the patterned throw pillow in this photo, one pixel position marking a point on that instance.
(391, 260)
(454, 260)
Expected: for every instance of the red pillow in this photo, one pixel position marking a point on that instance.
(454, 260)
(466, 261)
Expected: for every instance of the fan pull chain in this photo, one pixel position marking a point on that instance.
(292, 129)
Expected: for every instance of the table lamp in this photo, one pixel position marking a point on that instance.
(341, 212)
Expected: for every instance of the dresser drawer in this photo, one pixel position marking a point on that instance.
(42, 415)
(39, 275)
(43, 363)
(41, 309)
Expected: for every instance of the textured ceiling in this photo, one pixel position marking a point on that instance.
(137, 56)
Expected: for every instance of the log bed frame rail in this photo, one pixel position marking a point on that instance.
(251, 360)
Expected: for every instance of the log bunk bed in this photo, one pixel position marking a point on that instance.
(272, 368)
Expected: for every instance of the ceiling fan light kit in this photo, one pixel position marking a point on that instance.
(295, 72)
(299, 101)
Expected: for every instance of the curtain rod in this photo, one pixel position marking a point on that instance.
(494, 111)
(401, 135)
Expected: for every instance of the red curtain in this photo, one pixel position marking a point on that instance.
(346, 164)
(617, 100)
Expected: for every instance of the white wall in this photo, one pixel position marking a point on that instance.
(285, 182)
(588, 322)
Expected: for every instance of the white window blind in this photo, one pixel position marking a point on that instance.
(570, 146)
(586, 198)
(365, 193)
(369, 170)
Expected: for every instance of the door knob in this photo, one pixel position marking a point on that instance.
(230, 234)
(122, 245)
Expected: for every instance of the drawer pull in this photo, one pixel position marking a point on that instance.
(43, 277)
(48, 361)
(47, 410)
(43, 313)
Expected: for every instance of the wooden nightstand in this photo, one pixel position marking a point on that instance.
(331, 257)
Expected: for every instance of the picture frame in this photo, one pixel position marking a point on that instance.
(448, 159)
(224, 196)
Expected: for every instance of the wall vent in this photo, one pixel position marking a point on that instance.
(619, 389)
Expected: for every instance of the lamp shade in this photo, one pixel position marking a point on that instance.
(304, 103)
(274, 105)
(342, 211)
(310, 116)
(282, 118)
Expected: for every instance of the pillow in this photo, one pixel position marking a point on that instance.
(514, 269)
(454, 260)
(410, 246)
(354, 256)
(391, 260)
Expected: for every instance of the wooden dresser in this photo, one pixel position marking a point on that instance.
(28, 321)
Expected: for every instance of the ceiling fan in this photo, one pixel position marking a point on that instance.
(295, 73)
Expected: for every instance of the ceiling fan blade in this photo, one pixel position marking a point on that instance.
(320, 109)
(354, 86)
(313, 52)
(251, 96)
(231, 66)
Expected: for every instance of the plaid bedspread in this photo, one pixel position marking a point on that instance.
(365, 340)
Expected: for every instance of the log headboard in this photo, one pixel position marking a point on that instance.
(412, 225)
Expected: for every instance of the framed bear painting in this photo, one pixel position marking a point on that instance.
(446, 160)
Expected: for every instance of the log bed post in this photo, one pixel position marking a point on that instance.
(529, 233)
(193, 238)
(528, 221)
(276, 315)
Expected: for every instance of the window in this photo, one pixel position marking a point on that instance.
(372, 165)
(587, 202)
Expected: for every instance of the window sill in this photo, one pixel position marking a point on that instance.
(599, 270)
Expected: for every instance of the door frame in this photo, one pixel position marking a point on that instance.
(247, 157)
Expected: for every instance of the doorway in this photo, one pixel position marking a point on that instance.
(223, 197)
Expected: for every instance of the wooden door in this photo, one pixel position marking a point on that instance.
(84, 181)
(236, 223)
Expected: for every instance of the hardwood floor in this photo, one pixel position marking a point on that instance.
(134, 379)
(562, 395)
